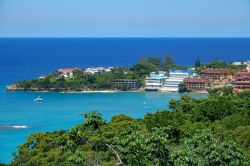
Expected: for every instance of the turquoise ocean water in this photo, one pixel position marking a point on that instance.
(28, 58)
(62, 111)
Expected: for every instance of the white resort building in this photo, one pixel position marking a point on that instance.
(98, 70)
(175, 78)
(155, 81)
(67, 72)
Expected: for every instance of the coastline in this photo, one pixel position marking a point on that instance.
(11, 88)
(102, 80)
(100, 91)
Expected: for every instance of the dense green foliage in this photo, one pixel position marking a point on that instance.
(81, 80)
(182, 87)
(223, 65)
(203, 149)
(224, 91)
(209, 131)
(197, 62)
(101, 81)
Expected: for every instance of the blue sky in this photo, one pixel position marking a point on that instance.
(124, 18)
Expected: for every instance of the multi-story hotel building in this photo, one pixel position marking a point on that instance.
(242, 79)
(175, 78)
(154, 81)
(217, 74)
(126, 82)
(196, 84)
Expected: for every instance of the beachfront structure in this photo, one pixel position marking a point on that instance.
(196, 84)
(242, 79)
(42, 77)
(126, 82)
(67, 72)
(98, 70)
(155, 81)
(180, 74)
(221, 75)
(240, 63)
(175, 78)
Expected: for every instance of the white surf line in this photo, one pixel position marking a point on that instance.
(19, 127)
(8, 127)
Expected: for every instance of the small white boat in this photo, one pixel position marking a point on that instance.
(38, 99)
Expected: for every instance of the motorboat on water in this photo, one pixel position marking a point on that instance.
(38, 99)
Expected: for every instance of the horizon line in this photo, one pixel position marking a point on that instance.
(120, 37)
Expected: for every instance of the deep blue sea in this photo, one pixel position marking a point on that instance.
(28, 58)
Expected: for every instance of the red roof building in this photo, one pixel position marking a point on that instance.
(194, 84)
(67, 72)
(242, 81)
(217, 74)
(216, 71)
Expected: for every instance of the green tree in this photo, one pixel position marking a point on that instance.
(72, 138)
(139, 148)
(94, 120)
(203, 149)
(143, 68)
(182, 87)
(197, 62)
(224, 91)
(185, 104)
(56, 74)
(133, 149)
(78, 74)
(169, 60)
(155, 60)
(77, 158)
(158, 147)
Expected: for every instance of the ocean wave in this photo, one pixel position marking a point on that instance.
(9, 127)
